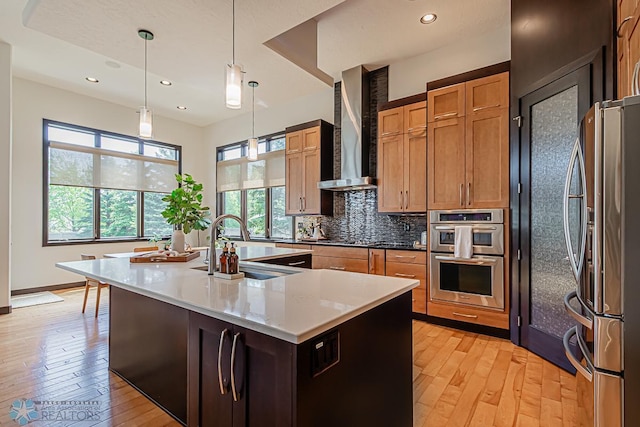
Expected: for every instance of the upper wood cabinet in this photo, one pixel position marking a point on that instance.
(628, 39)
(446, 103)
(402, 159)
(487, 93)
(468, 156)
(308, 160)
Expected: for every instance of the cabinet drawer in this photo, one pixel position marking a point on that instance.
(341, 264)
(341, 252)
(407, 257)
(301, 246)
(461, 313)
(419, 300)
(408, 271)
(446, 103)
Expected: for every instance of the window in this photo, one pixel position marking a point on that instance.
(254, 191)
(101, 186)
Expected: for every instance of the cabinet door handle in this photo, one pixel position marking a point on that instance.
(442, 116)
(468, 316)
(373, 262)
(485, 107)
(234, 391)
(624, 21)
(469, 193)
(405, 256)
(417, 128)
(296, 263)
(461, 203)
(223, 389)
(300, 203)
(304, 204)
(410, 276)
(406, 202)
(336, 268)
(401, 199)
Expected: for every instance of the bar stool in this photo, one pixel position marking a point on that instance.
(91, 282)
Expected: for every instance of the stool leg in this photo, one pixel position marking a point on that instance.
(98, 299)
(86, 294)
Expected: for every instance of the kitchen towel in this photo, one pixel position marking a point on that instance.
(463, 245)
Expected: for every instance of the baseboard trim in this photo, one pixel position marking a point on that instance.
(469, 327)
(47, 288)
(5, 310)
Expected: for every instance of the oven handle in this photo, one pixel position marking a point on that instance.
(586, 371)
(465, 260)
(475, 227)
(585, 321)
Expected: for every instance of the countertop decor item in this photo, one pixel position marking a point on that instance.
(185, 211)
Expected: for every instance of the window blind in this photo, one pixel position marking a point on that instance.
(77, 165)
(241, 174)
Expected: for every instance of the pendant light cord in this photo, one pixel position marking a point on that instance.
(253, 112)
(233, 32)
(145, 72)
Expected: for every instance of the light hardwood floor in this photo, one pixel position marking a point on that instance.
(53, 352)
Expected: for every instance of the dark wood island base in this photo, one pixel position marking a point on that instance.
(208, 372)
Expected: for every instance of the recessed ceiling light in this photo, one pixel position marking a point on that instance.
(428, 18)
(181, 107)
(165, 83)
(91, 79)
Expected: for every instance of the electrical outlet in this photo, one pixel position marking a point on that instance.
(407, 227)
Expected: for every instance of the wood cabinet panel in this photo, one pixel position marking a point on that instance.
(390, 122)
(446, 103)
(407, 257)
(341, 252)
(311, 139)
(293, 143)
(415, 172)
(446, 169)
(487, 159)
(487, 93)
(341, 264)
(293, 188)
(408, 271)
(419, 301)
(497, 319)
(415, 118)
(311, 192)
(377, 261)
(390, 180)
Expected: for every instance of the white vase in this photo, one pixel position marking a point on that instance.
(177, 241)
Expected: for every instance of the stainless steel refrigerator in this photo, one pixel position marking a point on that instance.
(602, 231)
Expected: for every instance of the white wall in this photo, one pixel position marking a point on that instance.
(410, 76)
(32, 264)
(5, 174)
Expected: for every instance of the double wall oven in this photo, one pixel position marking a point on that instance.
(479, 279)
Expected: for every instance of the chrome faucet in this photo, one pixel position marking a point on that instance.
(214, 231)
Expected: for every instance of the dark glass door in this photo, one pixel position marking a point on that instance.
(550, 116)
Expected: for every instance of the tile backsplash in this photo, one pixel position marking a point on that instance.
(356, 217)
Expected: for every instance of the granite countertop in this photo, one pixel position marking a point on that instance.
(293, 307)
(358, 244)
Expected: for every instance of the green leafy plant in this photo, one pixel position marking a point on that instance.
(184, 206)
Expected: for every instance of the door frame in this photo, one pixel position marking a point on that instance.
(588, 73)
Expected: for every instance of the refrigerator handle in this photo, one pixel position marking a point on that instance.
(585, 321)
(575, 258)
(586, 371)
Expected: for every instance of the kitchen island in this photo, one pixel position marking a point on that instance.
(301, 348)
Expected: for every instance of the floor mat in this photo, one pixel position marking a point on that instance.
(38, 298)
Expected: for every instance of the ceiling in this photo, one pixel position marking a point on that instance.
(60, 42)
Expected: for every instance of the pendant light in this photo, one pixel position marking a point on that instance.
(234, 71)
(253, 141)
(146, 117)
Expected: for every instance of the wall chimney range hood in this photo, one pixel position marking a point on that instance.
(354, 127)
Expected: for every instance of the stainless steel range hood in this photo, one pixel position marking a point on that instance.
(354, 126)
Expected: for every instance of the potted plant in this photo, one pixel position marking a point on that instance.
(185, 211)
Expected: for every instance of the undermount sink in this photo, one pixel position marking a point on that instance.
(251, 273)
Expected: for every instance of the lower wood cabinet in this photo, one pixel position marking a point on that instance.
(410, 265)
(376, 261)
(237, 377)
(462, 313)
(341, 258)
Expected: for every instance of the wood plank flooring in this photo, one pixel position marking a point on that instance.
(52, 352)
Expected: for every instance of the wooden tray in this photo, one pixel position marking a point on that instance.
(179, 258)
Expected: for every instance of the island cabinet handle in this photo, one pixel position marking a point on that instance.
(234, 391)
(336, 268)
(296, 263)
(223, 389)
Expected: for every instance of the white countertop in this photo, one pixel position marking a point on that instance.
(294, 307)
